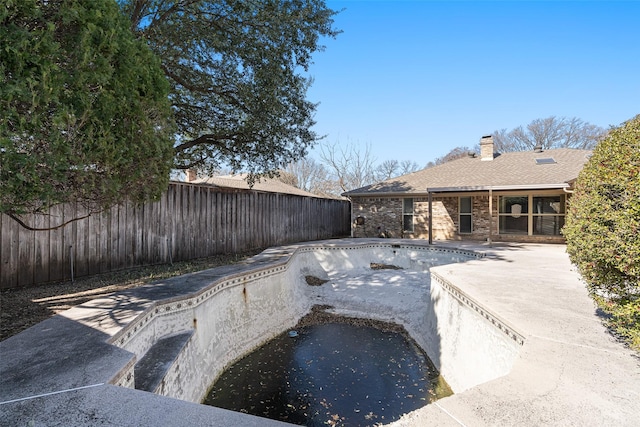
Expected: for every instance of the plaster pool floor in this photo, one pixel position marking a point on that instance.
(375, 293)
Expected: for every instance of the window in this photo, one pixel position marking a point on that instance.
(513, 215)
(545, 161)
(465, 207)
(532, 215)
(407, 215)
(548, 215)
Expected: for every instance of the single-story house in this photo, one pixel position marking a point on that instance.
(518, 196)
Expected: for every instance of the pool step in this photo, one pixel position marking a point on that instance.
(154, 365)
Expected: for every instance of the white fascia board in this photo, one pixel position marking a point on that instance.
(498, 188)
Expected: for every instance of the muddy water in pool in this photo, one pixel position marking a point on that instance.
(329, 375)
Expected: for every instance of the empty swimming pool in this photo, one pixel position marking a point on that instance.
(237, 312)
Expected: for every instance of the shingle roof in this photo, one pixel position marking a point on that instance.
(505, 171)
(239, 182)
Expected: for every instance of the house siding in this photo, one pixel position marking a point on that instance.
(384, 215)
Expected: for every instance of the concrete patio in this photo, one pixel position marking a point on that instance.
(570, 372)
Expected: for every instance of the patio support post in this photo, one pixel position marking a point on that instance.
(430, 217)
(490, 214)
(351, 217)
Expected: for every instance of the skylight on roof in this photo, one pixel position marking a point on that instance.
(545, 161)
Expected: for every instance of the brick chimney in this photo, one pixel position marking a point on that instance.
(191, 175)
(486, 147)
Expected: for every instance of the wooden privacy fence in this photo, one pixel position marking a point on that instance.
(189, 221)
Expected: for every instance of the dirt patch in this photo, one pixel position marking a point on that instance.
(22, 308)
(377, 266)
(314, 281)
(320, 315)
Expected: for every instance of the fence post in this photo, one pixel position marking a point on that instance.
(71, 262)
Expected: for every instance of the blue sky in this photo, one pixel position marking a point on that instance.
(415, 79)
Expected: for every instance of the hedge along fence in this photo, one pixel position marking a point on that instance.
(189, 221)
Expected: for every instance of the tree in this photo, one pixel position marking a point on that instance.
(603, 225)
(235, 66)
(351, 167)
(310, 176)
(343, 167)
(552, 132)
(85, 114)
(454, 154)
(407, 167)
(393, 168)
(387, 170)
(288, 178)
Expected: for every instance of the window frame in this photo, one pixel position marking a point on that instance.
(465, 214)
(557, 216)
(406, 214)
(531, 216)
(519, 218)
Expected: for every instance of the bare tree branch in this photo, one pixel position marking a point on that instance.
(351, 167)
(24, 225)
(549, 133)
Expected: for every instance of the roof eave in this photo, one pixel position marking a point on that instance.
(380, 193)
(515, 187)
(461, 189)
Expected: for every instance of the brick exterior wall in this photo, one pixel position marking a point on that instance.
(384, 215)
(379, 215)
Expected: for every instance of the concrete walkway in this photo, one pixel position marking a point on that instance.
(570, 371)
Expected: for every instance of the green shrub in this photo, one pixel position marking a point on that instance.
(84, 108)
(603, 228)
